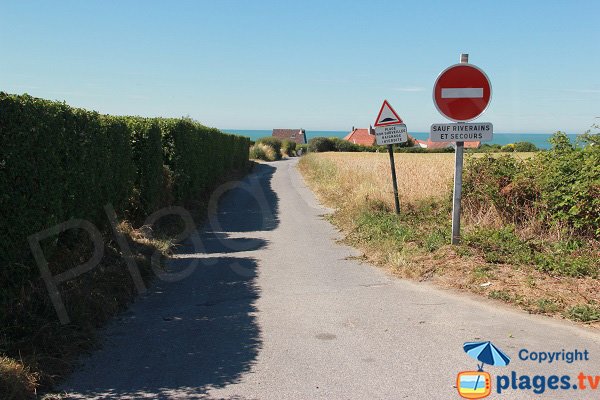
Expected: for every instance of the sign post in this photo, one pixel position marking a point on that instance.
(461, 93)
(394, 182)
(389, 129)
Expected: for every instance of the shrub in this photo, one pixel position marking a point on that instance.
(525, 147)
(489, 148)
(147, 154)
(557, 187)
(274, 143)
(503, 182)
(508, 148)
(288, 148)
(302, 149)
(261, 151)
(320, 145)
(569, 179)
(344, 145)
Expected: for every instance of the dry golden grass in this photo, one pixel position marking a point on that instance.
(359, 184)
(359, 177)
(16, 381)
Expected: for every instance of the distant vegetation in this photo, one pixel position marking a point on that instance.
(326, 144)
(519, 147)
(272, 149)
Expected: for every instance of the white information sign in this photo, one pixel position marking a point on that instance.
(462, 132)
(391, 134)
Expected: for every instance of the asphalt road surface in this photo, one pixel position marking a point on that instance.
(275, 308)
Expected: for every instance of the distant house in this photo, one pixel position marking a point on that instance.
(362, 136)
(365, 136)
(428, 144)
(293, 135)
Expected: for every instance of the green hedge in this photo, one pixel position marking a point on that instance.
(558, 187)
(59, 162)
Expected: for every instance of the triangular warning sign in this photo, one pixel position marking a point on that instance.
(387, 115)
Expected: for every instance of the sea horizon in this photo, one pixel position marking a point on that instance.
(540, 140)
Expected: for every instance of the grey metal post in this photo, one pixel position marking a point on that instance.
(458, 169)
(456, 198)
(392, 164)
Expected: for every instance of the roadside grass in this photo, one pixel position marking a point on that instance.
(539, 271)
(36, 351)
(17, 382)
(39, 350)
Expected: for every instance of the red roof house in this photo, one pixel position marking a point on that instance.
(364, 137)
(293, 135)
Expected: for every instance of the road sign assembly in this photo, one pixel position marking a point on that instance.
(461, 93)
(389, 128)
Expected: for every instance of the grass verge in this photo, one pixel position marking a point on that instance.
(546, 273)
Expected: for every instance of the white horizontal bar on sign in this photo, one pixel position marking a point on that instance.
(462, 93)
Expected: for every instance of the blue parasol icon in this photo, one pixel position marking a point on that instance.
(487, 353)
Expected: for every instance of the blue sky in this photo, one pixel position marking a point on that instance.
(319, 65)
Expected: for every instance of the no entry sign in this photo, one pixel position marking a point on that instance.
(462, 92)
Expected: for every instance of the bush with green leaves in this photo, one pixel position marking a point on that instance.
(569, 179)
(525, 147)
(320, 145)
(274, 143)
(147, 155)
(557, 187)
(343, 145)
(302, 149)
(288, 148)
(515, 147)
(261, 151)
(59, 163)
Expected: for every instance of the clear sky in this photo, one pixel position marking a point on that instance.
(319, 65)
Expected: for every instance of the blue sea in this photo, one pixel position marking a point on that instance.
(539, 139)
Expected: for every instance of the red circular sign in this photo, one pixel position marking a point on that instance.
(462, 92)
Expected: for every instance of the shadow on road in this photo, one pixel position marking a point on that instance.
(199, 332)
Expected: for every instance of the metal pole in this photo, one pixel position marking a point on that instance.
(458, 169)
(396, 201)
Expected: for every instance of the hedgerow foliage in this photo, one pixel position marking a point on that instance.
(274, 143)
(559, 187)
(59, 163)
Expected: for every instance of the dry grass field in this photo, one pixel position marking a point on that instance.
(362, 176)
(353, 178)
(415, 244)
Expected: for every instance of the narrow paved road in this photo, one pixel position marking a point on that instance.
(276, 309)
